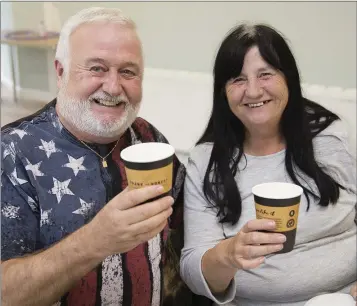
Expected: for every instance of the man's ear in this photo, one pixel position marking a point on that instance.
(59, 72)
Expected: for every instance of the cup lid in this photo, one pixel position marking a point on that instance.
(277, 190)
(147, 152)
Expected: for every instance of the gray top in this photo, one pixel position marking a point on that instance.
(324, 257)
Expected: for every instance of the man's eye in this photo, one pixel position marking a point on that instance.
(128, 73)
(97, 69)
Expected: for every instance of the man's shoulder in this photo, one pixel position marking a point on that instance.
(147, 131)
(141, 124)
(22, 126)
(21, 136)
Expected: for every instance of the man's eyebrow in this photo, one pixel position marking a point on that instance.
(95, 60)
(131, 64)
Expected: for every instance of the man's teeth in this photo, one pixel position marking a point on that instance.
(253, 105)
(109, 103)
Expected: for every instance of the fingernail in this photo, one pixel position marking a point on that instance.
(271, 223)
(159, 188)
(280, 247)
(262, 259)
(282, 238)
(171, 200)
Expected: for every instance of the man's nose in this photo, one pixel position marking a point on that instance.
(253, 89)
(112, 84)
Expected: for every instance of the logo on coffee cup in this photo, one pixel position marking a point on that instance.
(290, 223)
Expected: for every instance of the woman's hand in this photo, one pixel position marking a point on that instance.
(247, 249)
(353, 291)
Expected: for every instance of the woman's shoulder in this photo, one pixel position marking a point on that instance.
(333, 139)
(201, 154)
(337, 128)
(202, 148)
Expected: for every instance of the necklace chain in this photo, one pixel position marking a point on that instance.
(104, 162)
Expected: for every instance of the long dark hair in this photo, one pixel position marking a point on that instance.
(301, 120)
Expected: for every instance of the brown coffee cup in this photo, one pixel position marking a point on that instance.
(149, 163)
(279, 202)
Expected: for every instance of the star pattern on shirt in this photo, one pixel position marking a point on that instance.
(10, 211)
(45, 217)
(10, 150)
(75, 164)
(18, 132)
(34, 168)
(85, 209)
(57, 123)
(49, 147)
(32, 204)
(5, 153)
(15, 179)
(60, 189)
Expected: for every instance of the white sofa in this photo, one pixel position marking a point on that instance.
(179, 103)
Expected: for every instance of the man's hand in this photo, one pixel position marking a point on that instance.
(124, 222)
(119, 227)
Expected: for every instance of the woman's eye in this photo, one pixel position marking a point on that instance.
(238, 80)
(265, 75)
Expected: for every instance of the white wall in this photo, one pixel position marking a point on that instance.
(6, 24)
(179, 105)
(186, 35)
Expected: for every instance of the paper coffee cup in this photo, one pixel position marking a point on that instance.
(149, 163)
(279, 202)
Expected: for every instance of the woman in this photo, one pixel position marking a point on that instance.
(262, 130)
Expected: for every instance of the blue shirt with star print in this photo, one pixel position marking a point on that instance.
(52, 184)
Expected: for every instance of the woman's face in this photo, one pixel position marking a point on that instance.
(259, 95)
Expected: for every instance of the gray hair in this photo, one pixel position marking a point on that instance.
(248, 29)
(89, 15)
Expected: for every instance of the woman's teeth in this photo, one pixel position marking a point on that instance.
(253, 105)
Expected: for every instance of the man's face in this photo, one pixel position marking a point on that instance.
(100, 94)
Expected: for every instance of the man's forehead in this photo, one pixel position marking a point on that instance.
(102, 26)
(104, 32)
(96, 41)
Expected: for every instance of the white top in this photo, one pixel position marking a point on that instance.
(324, 257)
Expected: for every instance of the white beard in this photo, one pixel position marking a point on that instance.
(79, 114)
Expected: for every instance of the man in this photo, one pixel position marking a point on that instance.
(72, 233)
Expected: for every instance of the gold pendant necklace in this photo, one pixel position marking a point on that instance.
(104, 161)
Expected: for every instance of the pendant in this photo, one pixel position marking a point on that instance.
(104, 162)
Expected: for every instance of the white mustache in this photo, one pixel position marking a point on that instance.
(103, 96)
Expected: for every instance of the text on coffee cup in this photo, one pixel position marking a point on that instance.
(160, 176)
(141, 184)
(285, 217)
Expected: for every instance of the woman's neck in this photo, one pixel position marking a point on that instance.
(263, 143)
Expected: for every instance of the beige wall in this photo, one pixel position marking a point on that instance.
(185, 36)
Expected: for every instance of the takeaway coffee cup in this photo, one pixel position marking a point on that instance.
(279, 202)
(149, 163)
